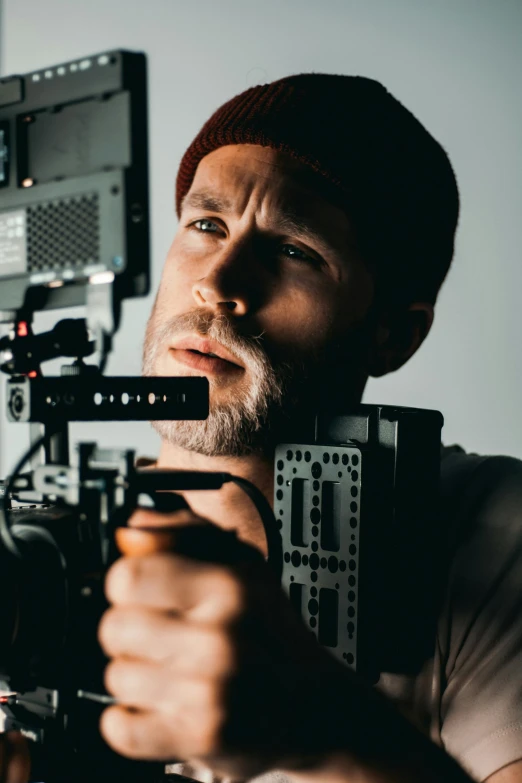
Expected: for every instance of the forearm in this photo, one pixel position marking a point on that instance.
(360, 737)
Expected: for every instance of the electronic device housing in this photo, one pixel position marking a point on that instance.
(74, 181)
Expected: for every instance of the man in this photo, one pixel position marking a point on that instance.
(317, 222)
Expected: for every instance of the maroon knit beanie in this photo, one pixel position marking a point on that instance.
(377, 160)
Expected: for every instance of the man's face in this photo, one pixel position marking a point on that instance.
(263, 273)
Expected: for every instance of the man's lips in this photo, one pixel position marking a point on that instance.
(205, 355)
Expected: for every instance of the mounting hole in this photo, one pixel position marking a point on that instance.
(316, 470)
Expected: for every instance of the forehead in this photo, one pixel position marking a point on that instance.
(237, 176)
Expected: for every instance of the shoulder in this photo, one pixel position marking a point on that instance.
(482, 507)
(480, 636)
(483, 488)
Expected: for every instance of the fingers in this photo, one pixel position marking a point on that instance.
(187, 730)
(167, 582)
(158, 637)
(146, 685)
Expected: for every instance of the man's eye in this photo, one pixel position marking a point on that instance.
(205, 226)
(294, 252)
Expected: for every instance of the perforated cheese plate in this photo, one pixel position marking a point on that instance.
(317, 497)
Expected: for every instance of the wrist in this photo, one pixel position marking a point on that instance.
(353, 733)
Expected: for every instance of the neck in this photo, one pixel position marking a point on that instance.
(229, 508)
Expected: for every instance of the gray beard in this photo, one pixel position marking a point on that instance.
(263, 404)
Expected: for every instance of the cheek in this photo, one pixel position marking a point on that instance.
(301, 316)
(175, 288)
(312, 315)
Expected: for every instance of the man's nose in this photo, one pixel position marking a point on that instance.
(228, 283)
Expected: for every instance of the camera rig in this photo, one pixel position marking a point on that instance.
(354, 538)
(74, 231)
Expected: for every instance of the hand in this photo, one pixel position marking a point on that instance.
(209, 660)
(15, 762)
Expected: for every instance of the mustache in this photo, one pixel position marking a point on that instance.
(248, 349)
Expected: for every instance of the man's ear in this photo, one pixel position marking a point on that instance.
(398, 333)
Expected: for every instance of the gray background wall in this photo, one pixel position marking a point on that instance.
(455, 63)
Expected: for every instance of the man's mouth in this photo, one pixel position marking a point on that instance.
(213, 355)
(205, 355)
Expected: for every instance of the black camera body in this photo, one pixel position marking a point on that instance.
(362, 541)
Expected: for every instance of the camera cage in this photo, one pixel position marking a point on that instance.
(74, 230)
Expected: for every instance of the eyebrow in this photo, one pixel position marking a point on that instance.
(202, 199)
(288, 221)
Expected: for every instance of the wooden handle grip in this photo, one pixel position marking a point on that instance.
(139, 541)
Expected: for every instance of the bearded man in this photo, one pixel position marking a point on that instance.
(316, 225)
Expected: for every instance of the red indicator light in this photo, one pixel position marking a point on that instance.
(33, 374)
(23, 331)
